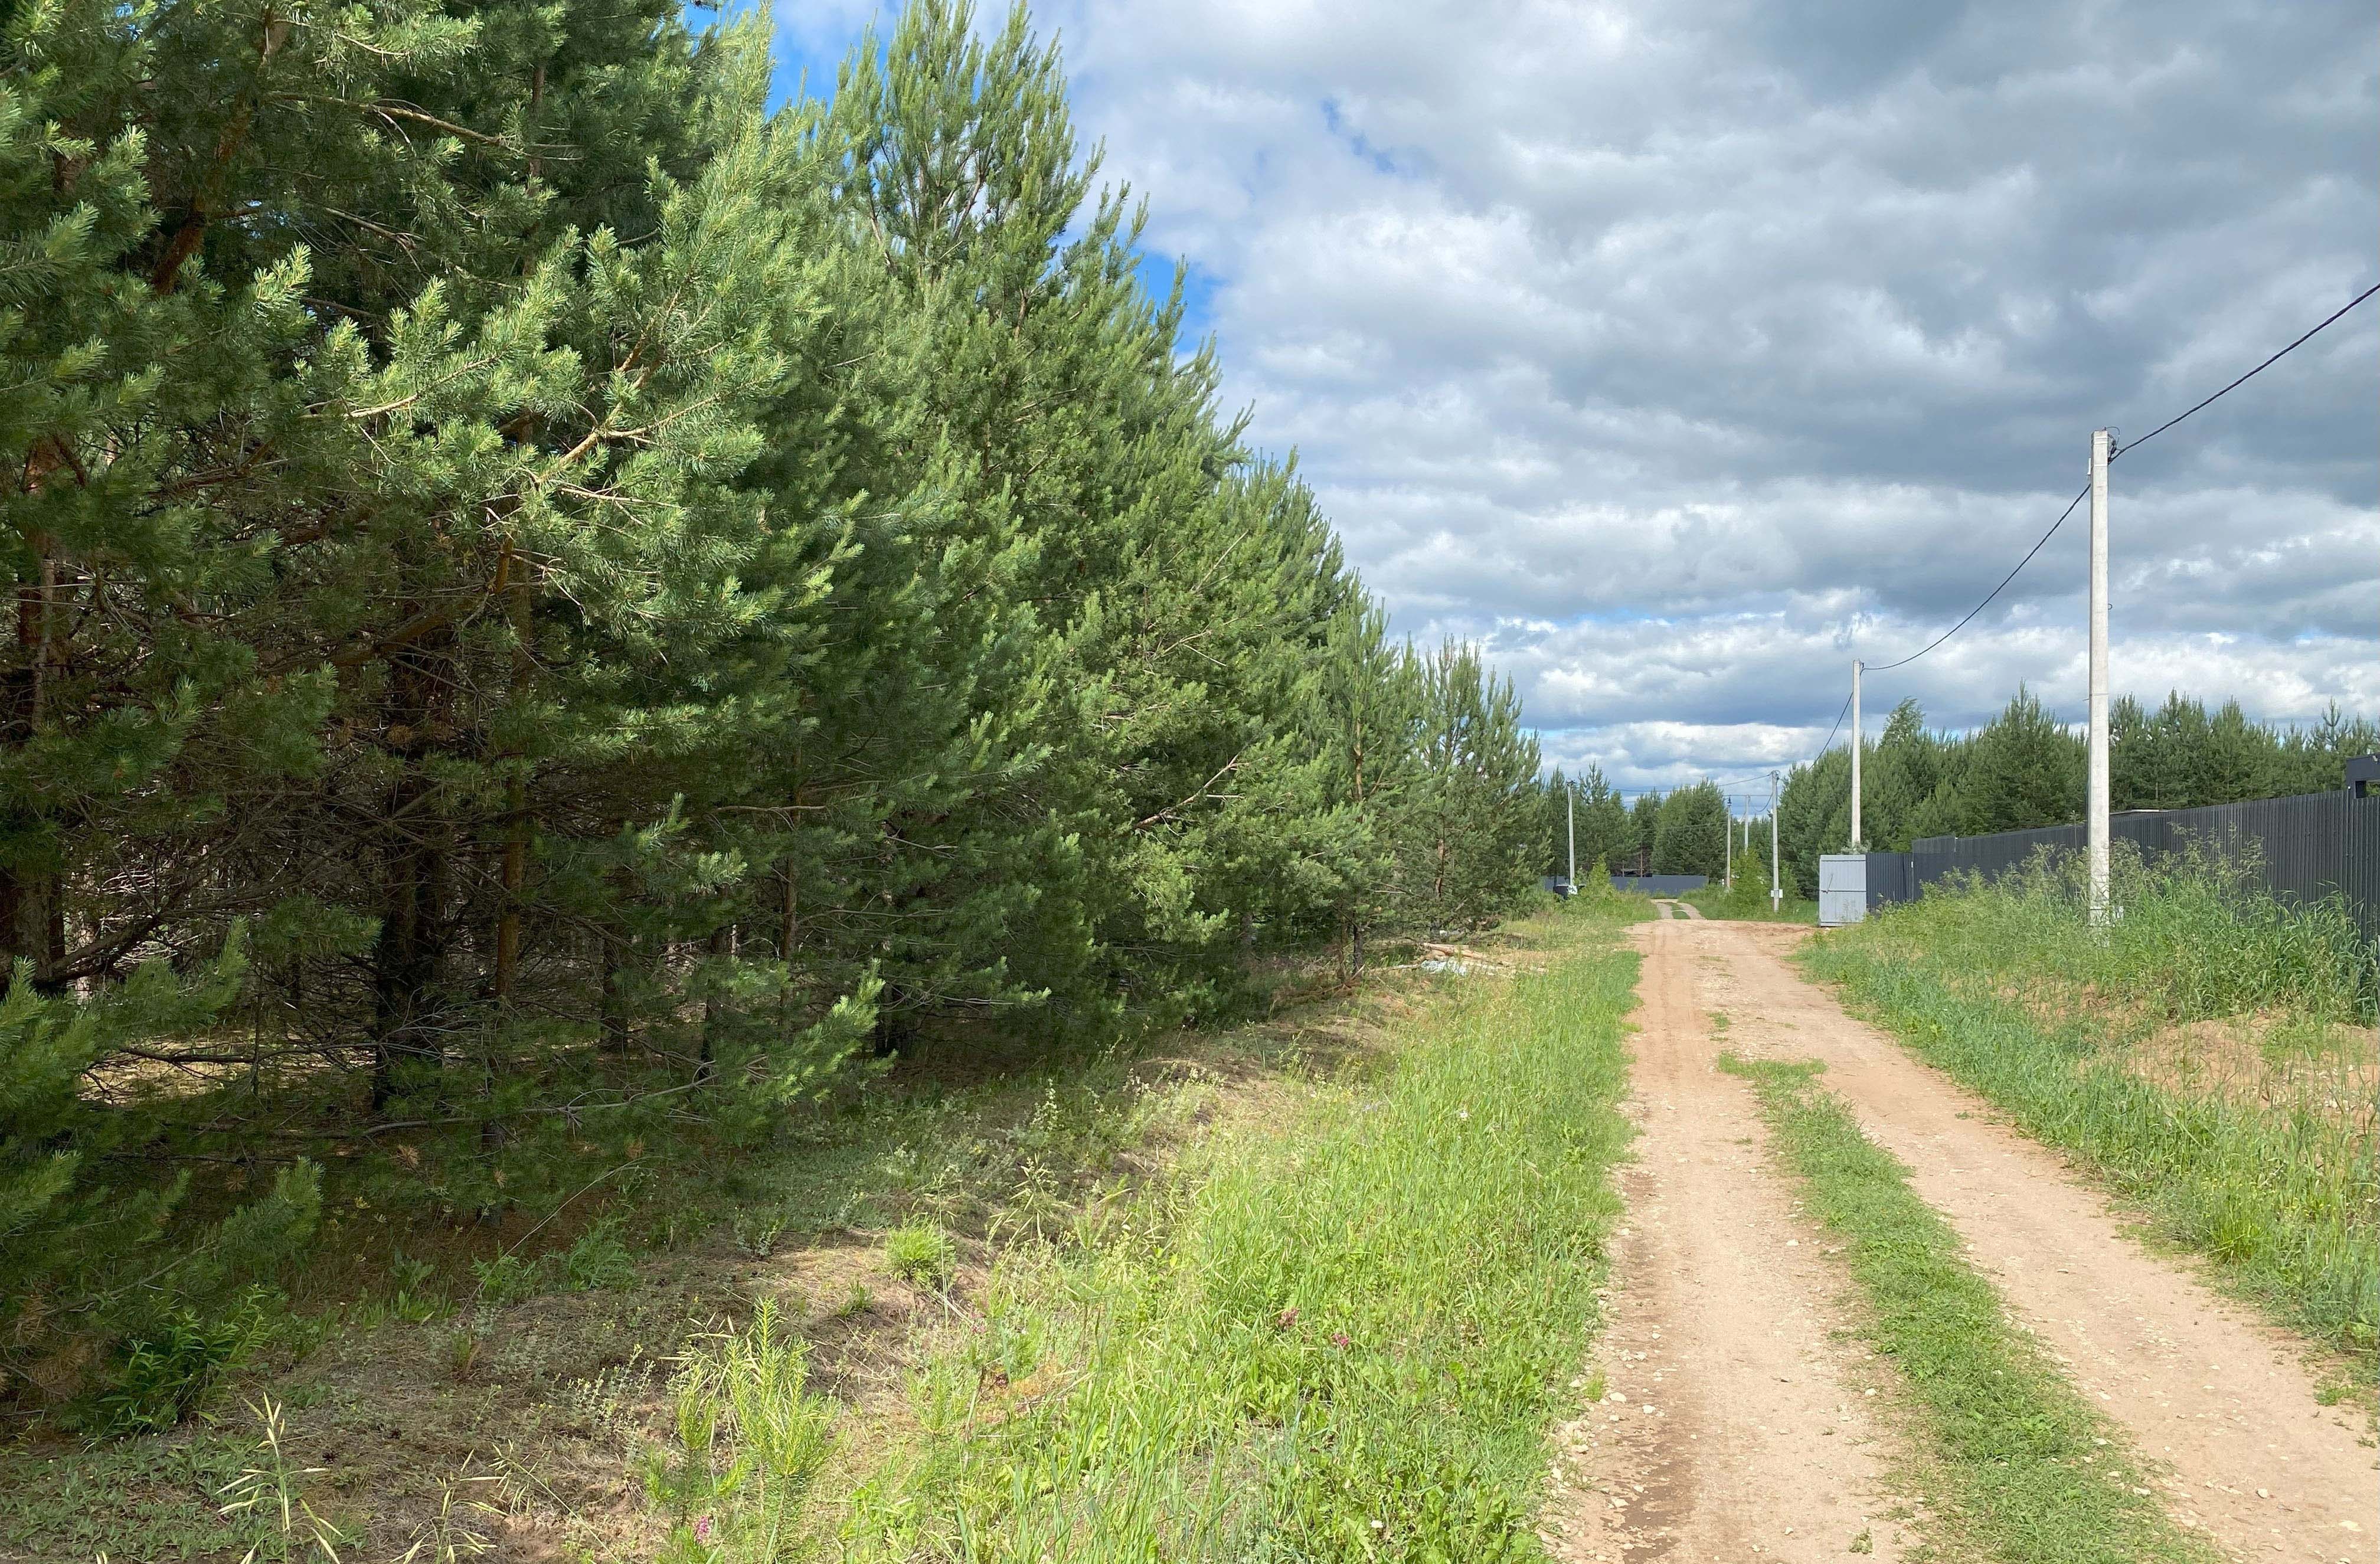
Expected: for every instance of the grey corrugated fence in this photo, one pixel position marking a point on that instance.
(2308, 847)
(1660, 884)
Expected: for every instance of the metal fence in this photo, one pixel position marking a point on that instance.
(1660, 884)
(2303, 849)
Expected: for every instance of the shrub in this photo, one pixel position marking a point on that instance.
(164, 1374)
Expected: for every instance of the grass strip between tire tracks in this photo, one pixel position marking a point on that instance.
(2034, 1474)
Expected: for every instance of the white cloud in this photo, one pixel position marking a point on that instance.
(1679, 349)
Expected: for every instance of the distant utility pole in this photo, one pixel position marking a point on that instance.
(1857, 837)
(1727, 875)
(2097, 811)
(1775, 885)
(1570, 825)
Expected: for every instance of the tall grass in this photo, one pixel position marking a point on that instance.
(1343, 1335)
(2208, 1051)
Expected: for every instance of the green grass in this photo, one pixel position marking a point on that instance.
(2261, 1156)
(1339, 1335)
(1749, 903)
(921, 1253)
(145, 1500)
(2036, 1475)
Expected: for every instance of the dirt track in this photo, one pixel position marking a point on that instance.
(1762, 1442)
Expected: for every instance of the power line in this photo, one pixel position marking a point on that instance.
(2042, 541)
(2252, 374)
(1888, 667)
(1831, 732)
(2329, 320)
(1840, 713)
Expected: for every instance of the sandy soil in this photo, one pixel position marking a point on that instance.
(2225, 1403)
(1736, 1425)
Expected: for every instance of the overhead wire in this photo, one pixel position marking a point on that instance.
(2042, 541)
(1963, 624)
(2329, 320)
(2252, 374)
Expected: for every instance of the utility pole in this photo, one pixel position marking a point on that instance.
(1857, 838)
(1727, 877)
(1775, 885)
(2096, 812)
(1569, 826)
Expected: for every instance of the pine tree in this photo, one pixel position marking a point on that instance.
(1469, 842)
(1691, 837)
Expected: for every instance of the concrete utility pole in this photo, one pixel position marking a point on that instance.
(1727, 876)
(1570, 824)
(2095, 814)
(1775, 885)
(1857, 837)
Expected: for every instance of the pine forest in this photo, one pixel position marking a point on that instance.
(566, 614)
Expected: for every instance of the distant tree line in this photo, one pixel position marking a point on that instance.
(1683, 831)
(2021, 769)
(2026, 767)
(555, 604)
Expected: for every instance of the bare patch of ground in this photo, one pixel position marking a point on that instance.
(1736, 1423)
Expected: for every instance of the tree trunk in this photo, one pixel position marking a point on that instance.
(409, 958)
(715, 1011)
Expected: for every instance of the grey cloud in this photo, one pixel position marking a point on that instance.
(1683, 348)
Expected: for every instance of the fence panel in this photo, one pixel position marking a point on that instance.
(2303, 848)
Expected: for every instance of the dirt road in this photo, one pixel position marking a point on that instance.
(1762, 1440)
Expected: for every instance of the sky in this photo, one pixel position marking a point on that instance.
(1681, 351)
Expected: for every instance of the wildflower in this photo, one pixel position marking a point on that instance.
(1462, 1114)
(1287, 1318)
(702, 1528)
(1338, 1339)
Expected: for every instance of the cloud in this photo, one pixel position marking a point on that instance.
(1680, 350)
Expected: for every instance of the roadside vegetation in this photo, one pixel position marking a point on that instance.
(2018, 1466)
(1320, 1277)
(571, 606)
(1341, 1335)
(2209, 1053)
(1747, 899)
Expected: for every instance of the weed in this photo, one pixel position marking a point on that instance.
(272, 1491)
(749, 1437)
(163, 1373)
(413, 1301)
(599, 1260)
(446, 1537)
(507, 1278)
(921, 1254)
(464, 1345)
(606, 1400)
(757, 1233)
